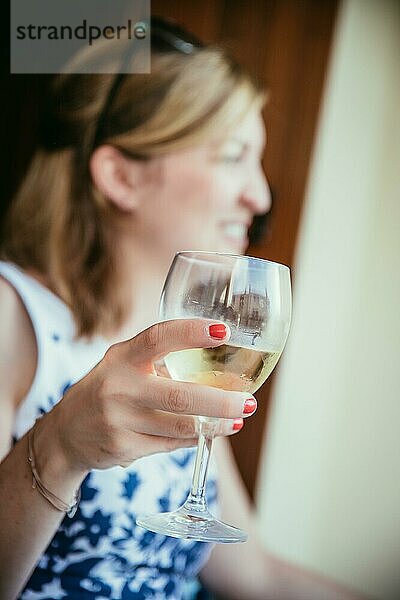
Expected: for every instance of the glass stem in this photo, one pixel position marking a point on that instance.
(197, 499)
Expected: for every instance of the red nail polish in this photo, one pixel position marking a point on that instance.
(249, 406)
(237, 424)
(217, 331)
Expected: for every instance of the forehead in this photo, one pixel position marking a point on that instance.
(249, 133)
(251, 129)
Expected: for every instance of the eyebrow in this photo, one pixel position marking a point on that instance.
(246, 145)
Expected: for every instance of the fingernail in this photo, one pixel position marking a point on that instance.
(217, 331)
(237, 424)
(249, 406)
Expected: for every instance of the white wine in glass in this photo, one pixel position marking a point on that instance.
(227, 367)
(253, 297)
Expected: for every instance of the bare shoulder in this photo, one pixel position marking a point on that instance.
(18, 351)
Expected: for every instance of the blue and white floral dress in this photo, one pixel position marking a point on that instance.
(101, 553)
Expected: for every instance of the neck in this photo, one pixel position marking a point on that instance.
(145, 274)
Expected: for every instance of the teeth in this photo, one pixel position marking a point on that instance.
(236, 230)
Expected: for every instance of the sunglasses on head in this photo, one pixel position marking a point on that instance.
(166, 36)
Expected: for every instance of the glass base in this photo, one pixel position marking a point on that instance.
(192, 525)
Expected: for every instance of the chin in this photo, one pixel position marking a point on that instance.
(235, 247)
(222, 245)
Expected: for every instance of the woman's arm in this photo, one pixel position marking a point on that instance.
(119, 412)
(18, 356)
(27, 520)
(238, 571)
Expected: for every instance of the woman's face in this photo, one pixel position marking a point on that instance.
(205, 198)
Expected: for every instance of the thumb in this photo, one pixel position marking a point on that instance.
(178, 334)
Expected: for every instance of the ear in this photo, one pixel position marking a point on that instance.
(116, 176)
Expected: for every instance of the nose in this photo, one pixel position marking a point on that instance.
(257, 195)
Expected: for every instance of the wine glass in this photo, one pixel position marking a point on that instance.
(253, 297)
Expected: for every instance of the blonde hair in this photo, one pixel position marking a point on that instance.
(59, 224)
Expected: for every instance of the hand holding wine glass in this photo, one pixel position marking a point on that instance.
(253, 297)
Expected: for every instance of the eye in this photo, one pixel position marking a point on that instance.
(233, 152)
(233, 158)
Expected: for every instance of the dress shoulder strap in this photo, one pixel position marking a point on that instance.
(45, 309)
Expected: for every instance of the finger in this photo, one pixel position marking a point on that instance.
(179, 334)
(153, 444)
(231, 427)
(159, 423)
(220, 427)
(194, 399)
(145, 445)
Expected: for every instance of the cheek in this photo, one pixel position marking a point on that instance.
(192, 215)
(195, 192)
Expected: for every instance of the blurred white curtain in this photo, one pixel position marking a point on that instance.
(329, 483)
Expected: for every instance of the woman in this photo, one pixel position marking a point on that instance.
(130, 170)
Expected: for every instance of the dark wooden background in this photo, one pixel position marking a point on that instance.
(286, 44)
